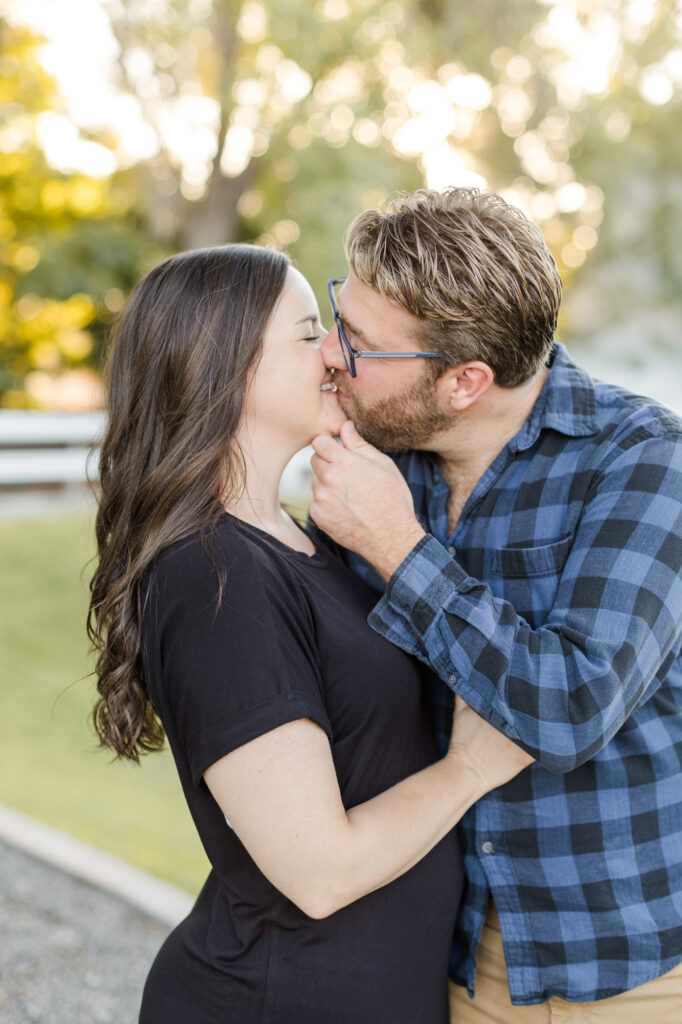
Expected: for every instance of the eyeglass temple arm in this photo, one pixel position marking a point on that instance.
(397, 355)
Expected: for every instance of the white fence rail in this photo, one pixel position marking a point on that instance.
(52, 449)
(38, 448)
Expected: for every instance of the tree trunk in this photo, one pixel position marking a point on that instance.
(215, 219)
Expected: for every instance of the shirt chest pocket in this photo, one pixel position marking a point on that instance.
(529, 577)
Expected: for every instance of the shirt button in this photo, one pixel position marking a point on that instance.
(452, 551)
(436, 478)
(487, 847)
(452, 680)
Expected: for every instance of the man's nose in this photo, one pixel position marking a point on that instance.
(331, 351)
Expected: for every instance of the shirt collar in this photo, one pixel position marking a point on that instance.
(567, 403)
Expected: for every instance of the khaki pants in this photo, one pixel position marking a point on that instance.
(657, 1002)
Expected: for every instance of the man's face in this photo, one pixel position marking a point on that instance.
(392, 402)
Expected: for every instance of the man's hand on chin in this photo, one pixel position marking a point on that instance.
(361, 500)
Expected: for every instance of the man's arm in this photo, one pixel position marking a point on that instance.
(562, 690)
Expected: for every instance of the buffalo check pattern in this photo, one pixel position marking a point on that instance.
(555, 610)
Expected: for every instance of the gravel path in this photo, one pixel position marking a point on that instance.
(69, 953)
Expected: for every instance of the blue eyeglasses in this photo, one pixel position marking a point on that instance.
(350, 354)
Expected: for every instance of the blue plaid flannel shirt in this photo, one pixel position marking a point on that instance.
(555, 610)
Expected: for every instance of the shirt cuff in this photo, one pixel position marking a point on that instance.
(416, 593)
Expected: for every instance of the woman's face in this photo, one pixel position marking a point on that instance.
(289, 400)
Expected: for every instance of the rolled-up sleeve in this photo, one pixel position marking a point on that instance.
(564, 689)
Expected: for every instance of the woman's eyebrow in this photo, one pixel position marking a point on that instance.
(314, 317)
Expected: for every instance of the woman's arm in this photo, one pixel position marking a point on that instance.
(281, 796)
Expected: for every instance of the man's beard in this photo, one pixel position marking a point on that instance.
(401, 422)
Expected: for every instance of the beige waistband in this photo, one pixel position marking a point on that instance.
(491, 918)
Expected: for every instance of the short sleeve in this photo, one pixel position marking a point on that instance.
(229, 672)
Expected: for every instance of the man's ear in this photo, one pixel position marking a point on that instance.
(463, 385)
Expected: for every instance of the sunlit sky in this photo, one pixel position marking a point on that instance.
(79, 52)
(429, 119)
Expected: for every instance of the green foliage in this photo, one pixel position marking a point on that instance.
(332, 186)
(66, 242)
(583, 72)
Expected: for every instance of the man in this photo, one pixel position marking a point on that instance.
(528, 536)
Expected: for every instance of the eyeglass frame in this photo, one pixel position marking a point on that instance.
(349, 353)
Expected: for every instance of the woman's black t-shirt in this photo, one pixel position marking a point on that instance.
(290, 640)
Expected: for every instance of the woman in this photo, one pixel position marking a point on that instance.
(299, 734)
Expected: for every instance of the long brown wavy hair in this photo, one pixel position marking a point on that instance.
(178, 368)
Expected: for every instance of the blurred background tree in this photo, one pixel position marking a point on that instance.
(265, 119)
(222, 121)
(69, 245)
(578, 128)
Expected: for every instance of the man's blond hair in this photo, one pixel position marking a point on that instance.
(473, 268)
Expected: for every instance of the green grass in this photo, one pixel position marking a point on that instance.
(50, 768)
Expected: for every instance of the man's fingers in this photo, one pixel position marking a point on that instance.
(354, 442)
(326, 447)
(350, 437)
(318, 466)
